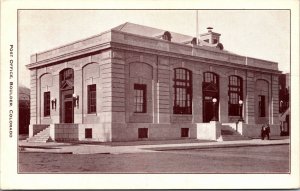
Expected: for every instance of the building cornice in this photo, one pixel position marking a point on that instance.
(128, 41)
(124, 47)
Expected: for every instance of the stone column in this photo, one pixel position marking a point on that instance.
(55, 94)
(223, 99)
(78, 91)
(113, 91)
(163, 91)
(274, 100)
(33, 100)
(250, 99)
(197, 97)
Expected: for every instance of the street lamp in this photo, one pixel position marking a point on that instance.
(76, 100)
(280, 106)
(241, 110)
(214, 100)
(53, 103)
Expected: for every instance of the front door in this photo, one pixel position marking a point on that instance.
(210, 90)
(67, 110)
(208, 112)
(66, 96)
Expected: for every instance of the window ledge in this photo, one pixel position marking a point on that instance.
(140, 114)
(91, 114)
(182, 114)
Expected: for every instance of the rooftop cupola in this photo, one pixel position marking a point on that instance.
(210, 37)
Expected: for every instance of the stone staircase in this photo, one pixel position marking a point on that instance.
(41, 137)
(229, 134)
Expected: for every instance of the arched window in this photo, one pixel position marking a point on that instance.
(67, 78)
(235, 93)
(210, 77)
(182, 91)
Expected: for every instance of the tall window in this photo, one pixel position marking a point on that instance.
(262, 106)
(182, 91)
(140, 101)
(235, 93)
(46, 104)
(92, 98)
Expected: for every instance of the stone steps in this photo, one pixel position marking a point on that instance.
(229, 134)
(41, 137)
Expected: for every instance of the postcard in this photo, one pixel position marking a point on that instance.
(127, 95)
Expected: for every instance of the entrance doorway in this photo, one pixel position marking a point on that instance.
(208, 109)
(67, 113)
(66, 96)
(210, 90)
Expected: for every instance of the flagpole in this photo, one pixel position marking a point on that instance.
(197, 32)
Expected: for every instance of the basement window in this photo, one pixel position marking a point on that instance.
(185, 132)
(88, 133)
(143, 133)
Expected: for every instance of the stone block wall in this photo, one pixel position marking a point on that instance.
(129, 132)
(100, 132)
(254, 130)
(65, 132)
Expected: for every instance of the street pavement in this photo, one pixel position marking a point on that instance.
(92, 148)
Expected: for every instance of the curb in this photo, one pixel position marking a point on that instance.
(211, 146)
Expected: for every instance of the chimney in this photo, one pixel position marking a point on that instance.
(210, 37)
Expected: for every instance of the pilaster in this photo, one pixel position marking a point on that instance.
(274, 100)
(250, 99)
(223, 99)
(112, 75)
(33, 96)
(78, 110)
(163, 91)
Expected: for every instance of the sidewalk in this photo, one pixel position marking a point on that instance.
(78, 148)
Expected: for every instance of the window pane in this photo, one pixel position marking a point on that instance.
(92, 102)
(235, 93)
(140, 98)
(182, 85)
(46, 103)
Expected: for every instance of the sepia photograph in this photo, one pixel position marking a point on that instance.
(152, 95)
(154, 91)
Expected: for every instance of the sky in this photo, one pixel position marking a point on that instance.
(263, 34)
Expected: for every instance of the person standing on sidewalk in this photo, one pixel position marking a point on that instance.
(263, 132)
(268, 131)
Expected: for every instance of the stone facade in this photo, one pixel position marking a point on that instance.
(118, 59)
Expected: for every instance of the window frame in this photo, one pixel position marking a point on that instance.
(235, 87)
(47, 104)
(91, 99)
(183, 79)
(141, 97)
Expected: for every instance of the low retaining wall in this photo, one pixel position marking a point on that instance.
(209, 131)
